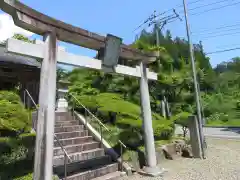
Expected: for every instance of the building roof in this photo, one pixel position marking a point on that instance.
(17, 59)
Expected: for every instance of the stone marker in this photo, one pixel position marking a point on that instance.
(195, 140)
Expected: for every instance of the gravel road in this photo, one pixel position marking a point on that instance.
(222, 163)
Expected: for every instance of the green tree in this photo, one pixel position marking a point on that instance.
(22, 38)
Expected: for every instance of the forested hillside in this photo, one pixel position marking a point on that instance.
(219, 86)
(115, 100)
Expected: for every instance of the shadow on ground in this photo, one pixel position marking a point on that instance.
(232, 129)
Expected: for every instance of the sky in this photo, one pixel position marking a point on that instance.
(120, 18)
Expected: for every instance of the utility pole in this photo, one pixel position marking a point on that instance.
(199, 116)
(163, 102)
(163, 22)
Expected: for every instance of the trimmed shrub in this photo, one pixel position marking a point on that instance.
(127, 115)
(25, 141)
(16, 154)
(88, 101)
(114, 103)
(182, 120)
(10, 96)
(163, 129)
(27, 177)
(130, 137)
(13, 117)
(107, 105)
(30, 177)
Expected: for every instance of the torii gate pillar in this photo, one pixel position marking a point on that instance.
(151, 168)
(46, 114)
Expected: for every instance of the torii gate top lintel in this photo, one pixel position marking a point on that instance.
(36, 22)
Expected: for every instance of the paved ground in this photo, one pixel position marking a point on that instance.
(217, 132)
(222, 132)
(222, 163)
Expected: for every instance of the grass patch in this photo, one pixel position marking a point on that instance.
(219, 123)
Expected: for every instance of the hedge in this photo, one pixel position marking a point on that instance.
(108, 102)
(127, 115)
(16, 156)
(8, 145)
(30, 177)
(162, 129)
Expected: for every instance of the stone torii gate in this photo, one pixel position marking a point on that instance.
(52, 31)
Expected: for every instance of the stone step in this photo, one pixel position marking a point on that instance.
(73, 141)
(65, 135)
(80, 166)
(69, 128)
(76, 148)
(62, 113)
(61, 116)
(94, 173)
(111, 176)
(79, 156)
(66, 123)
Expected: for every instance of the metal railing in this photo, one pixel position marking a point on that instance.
(67, 158)
(101, 127)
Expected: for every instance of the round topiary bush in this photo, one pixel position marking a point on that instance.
(13, 117)
(163, 131)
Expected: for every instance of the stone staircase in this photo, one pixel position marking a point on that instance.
(88, 158)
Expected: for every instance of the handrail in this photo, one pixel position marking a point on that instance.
(64, 150)
(89, 112)
(60, 144)
(31, 98)
(120, 142)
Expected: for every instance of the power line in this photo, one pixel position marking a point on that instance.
(228, 45)
(152, 19)
(220, 27)
(153, 16)
(213, 9)
(181, 6)
(222, 51)
(202, 6)
(210, 4)
(215, 32)
(208, 37)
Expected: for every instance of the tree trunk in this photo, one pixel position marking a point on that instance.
(185, 130)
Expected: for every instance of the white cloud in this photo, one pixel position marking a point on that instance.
(8, 28)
